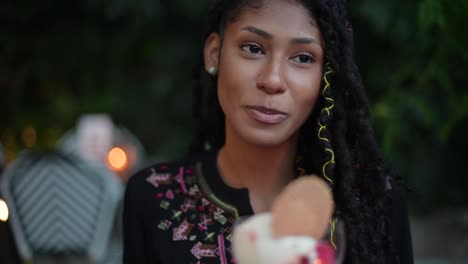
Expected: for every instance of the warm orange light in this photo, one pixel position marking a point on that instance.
(117, 159)
(318, 261)
(3, 211)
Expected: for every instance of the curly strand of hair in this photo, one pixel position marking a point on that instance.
(332, 231)
(331, 162)
(325, 117)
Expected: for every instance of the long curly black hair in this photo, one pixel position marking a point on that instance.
(336, 142)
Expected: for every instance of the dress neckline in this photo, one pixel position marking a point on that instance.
(223, 195)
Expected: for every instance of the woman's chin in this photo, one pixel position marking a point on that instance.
(267, 139)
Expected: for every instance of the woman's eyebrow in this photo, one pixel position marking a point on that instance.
(264, 34)
(258, 31)
(305, 41)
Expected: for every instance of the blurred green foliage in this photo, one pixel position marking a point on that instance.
(134, 60)
(413, 58)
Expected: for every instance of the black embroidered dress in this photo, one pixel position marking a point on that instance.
(183, 213)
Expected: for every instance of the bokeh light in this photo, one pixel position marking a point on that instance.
(117, 159)
(3, 211)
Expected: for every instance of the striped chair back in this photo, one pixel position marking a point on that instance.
(60, 205)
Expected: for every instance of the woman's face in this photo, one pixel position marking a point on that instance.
(269, 64)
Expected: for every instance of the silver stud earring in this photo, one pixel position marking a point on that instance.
(212, 71)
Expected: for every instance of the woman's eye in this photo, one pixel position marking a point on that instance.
(303, 58)
(252, 48)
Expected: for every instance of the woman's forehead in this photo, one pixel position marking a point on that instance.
(277, 16)
(273, 9)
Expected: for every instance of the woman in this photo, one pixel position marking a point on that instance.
(286, 100)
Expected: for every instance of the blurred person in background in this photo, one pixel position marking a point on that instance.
(283, 98)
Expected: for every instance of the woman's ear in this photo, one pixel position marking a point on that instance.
(211, 53)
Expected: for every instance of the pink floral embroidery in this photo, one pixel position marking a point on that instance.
(206, 251)
(158, 178)
(181, 196)
(182, 232)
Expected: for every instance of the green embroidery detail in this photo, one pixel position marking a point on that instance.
(209, 194)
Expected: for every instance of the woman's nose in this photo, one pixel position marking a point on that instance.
(271, 78)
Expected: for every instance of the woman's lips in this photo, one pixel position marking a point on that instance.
(266, 115)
